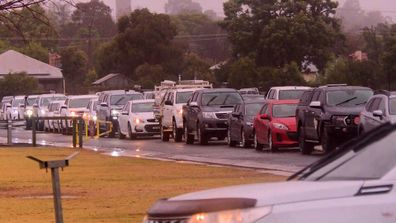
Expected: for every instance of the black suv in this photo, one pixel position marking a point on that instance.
(206, 114)
(329, 115)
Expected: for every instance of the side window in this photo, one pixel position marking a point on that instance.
(305, 98)
(268, 109)
(382, 106)
(375, 105)
(171, 97)
(236, 108)
(125, 108)
(272, 94)
(315, 96)
(264, 109)
(195, 97)
(369, 103)
(241, 108)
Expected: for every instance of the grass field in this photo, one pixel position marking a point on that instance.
(98, 188)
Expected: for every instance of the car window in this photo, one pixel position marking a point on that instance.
(183, 97)
(316, 95)
(142, 107)
(252, 109)
(369, 104)
(125, 108)
(195, 97)
(382, 106)
(17, 102)
(305, 98)
(348, 97)
(284, 111)
(375, 105)
(263, 109)
(79, 102)
(31, 101)
(124, 98)
(290, 94)
(221, 98)
(392, 106)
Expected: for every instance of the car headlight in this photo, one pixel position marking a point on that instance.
(29, 113)
(42, 111)
(95, 118)
(180, 111)
(209, 115)
(280, 126)
(73, 114)
(115, 113)
(249, 124)
(137, 121)
(233, 216)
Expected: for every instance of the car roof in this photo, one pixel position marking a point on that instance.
(290, 88)
(50, 95)
(142, 101)
(248, 89)
(57, 102)
(281, 102)
(343, 87)
(214, 90)
(81, 96)
(186, 89)
(20, 97)
(120, 92)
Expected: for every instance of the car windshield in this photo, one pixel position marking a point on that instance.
(17, 102)
(183, 97)
(122, 99)
(253, 109)
(348, 98)
(45, 101)
(392, 106)
(290, 94)
(31, 101)
(142, 107)
(370, 162)
(79, 102)
(284, 111)
(221, 98)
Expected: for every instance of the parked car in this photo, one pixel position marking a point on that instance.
(75, 106)
(54, 109)
(206, 114)
(149, 95)
(240, 123)
(172, 113)
(41, 108)
(137, 119)
(6, 109)
(18, 107)
(30, 102)
(249, 91)
(110, 104)
(286, 93)
(329, 116)
(380, 109)
(275, 125)
(356, 183)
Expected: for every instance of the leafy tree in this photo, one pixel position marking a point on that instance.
(75, 69)
(174, 7)
(18, 84)
(276, 33)
(195, 67)
(149, 75)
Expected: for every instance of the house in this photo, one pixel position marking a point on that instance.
(112, 81)
(50, 78)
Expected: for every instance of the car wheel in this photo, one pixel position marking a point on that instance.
(257, 145)
(244, 142)
(177, 133)
(202, 137)
(231, 143)
(164, 135)
(271, 145)
(327, 141)
(130, 133)
(305, 147)
(120, 135)
(189, 138)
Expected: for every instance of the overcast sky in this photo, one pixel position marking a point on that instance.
(388, 7)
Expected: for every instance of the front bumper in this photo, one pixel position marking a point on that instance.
(147, 129)
(284, 138)
(214, 127)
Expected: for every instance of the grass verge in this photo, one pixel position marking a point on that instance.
(99, 188)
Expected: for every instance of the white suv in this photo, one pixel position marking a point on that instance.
(41, 108)
(75, 106)
(286, 93)
(172, 113)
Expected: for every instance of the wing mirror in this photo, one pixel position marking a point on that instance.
(378, 113)
(124, 113)
(265, 117)
(315, 104)
(64, 107)
(104, 104)
(236, 114)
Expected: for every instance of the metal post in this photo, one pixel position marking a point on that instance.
(57, 194)
(80, 132)
(9, 132)
(74, 133)
(34, 132)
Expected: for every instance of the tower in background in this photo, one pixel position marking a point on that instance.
(123, 7)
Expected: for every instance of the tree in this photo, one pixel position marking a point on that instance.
(75, 69)
(174, 7)
(195, 67)
(276, 33)
(18, 84)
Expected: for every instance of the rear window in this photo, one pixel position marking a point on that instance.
(221, 98)
(46, 101)
(290, 94)
(183, 97)
(31, 101)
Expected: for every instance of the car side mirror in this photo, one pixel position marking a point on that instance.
(104, 104)
(168, 102)
(124, 113)
(63, 107)
(194, 104)
(378, 113)
(264, 117)
(236, 114)
(315, 104)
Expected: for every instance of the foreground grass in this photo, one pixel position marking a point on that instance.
(101, 188)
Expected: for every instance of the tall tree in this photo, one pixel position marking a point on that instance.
(18, 84)
(75, 69)
(277, 33)
(174, 7)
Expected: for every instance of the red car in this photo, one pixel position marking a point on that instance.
(275, 125)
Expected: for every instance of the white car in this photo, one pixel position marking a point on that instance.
(41, 108)
(356, 183)
(172, 113)
(75, 106)
(137, 119)
(18, 107)
(31, 101)
(286, 93)
(53, 112)
(6, 111)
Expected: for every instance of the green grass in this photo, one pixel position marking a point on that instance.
(101, 188)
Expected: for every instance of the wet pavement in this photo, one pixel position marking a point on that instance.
(285, 162)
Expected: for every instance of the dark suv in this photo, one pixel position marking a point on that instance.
(206, 114)
(329, 115)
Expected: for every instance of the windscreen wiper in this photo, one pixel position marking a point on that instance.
(211, 100)
(346, 101)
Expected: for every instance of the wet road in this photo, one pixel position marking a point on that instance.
(285, 162)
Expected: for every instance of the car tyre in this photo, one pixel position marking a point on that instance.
(120, 135)
(306, 148)
(130, 133)
(257, 145)
(202, 137)
(231, 143)
(189, 138)
(177, 133)
(164, 135)
(244, 142)
(271, 145)
(327, 142)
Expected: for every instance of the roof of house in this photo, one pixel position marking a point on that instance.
(105, 78)
(12, 62)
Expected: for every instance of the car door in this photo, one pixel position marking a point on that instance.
(365, 114)
(123, 118)
(260, 123)
(233, 122)
(167, 113)
(266, 124)
(373, 121)
(312, 117)
(192, 112)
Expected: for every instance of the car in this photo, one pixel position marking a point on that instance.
(240, 123)
(149, 95)
(206, 114)
(18, 107)
(249, 91)
(380, 109)
(54, 109)
(329, 115)
(172, 113)
(356, 183)
(41, 108)
(110, 104)
(286, 93)
(275, 125)
(30, 102)
(6, 109)
(75, 106)
(137, 119)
